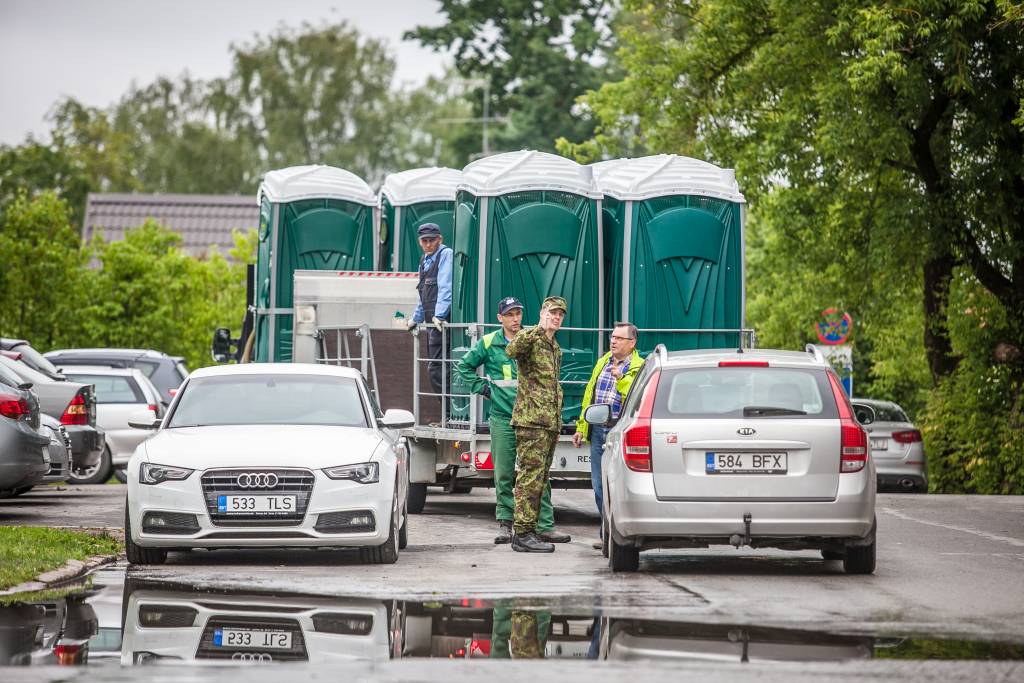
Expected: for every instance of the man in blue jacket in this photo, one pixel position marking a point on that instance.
(435, 306)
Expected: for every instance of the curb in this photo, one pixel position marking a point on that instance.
(72, 569)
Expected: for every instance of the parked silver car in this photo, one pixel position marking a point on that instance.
(120, 394)
(752, 448)
(896, 445)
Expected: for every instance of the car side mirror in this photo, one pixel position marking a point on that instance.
(221, 348)
(143, 419)
(396, 419)
(599, 414)
(864, 414)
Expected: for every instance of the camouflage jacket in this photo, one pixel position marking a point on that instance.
(539, 361)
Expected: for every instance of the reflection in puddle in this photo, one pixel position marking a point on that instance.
(170, 622)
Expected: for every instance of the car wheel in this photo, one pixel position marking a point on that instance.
(621, 558)
(416, 498)
(387, 552)
(121, 474)
(403, 533)
(831, 555)
(136, 553)
(860, 559)
(21, 491)
(97, 474)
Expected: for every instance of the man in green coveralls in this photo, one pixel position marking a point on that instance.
(537, 418)
(499, 387)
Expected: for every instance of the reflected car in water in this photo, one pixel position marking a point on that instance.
(270, 455)
(896, 445)
(164, 623)
(753, 447)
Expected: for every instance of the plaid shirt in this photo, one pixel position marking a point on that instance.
(605, 391)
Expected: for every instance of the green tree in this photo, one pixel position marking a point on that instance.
(41, 284)
(538, 58)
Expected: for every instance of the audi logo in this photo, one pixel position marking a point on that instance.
(257, 480)
(252, 657)
(746, 431)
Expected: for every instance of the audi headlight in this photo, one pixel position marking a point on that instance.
(364, 472)
(150, 473)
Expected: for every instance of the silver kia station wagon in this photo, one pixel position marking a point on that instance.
(747, 447)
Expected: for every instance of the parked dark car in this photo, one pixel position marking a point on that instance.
(60, 449)
(24, 452)
(74, 405)
(165, 372)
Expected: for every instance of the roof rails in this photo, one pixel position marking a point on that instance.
(816, 353)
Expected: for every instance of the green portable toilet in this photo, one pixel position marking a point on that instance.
(408, 200)
(311, 218)
(528, 224)
(674, 246)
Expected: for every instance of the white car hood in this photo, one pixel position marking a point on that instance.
(309, 446)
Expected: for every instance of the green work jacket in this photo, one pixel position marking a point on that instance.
(623, 385)
(500, 371)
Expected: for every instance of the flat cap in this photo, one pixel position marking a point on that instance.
(429, 230)
(555, 302)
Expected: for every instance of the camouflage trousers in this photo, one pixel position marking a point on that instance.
(535, 449)
(529, 634)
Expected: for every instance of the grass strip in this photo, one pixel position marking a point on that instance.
(27, 552)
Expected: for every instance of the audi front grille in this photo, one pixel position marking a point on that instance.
(289, 482)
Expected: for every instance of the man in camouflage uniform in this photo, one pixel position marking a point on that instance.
(498, 386)
(537, 418)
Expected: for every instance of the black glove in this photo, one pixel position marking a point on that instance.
(486, 392)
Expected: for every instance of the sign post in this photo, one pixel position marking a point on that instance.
(833, 331)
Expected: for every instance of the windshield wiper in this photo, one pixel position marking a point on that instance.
(753, 411)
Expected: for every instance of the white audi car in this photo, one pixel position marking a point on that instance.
(270, 455)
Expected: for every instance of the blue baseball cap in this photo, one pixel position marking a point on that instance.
(509, 303)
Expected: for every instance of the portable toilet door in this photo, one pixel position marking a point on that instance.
(675, 249)
(528, 224)
(311, 218)
(408, 200)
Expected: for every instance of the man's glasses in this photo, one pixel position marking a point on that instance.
(622, 338)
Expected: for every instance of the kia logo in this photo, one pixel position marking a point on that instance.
(746, 431)
(257, 480)
(252, 657)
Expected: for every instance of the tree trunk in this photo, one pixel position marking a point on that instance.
(938, 273)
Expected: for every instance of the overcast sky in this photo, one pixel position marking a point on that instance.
(93, 49)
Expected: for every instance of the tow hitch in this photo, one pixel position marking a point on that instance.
(737, 540)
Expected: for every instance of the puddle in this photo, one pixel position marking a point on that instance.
(145, 622)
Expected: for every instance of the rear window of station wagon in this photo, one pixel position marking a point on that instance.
(111, 388)
(745, 392)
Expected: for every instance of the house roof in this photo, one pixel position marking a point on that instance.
(527, 170)
(665, 174)
(202, 220)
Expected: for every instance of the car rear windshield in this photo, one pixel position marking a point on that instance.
(745, 392)
(111, 388)
(886, 412)
(270, 399)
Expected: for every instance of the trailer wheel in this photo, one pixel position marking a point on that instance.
(417, 498)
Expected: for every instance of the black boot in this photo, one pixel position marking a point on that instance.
(530, 543)
(504, 532)
(552, 536)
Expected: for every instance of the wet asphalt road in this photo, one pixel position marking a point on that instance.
(947, 565)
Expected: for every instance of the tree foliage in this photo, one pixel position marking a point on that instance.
(537, 56)
(880, 146)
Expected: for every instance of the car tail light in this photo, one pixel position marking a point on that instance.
(742, 363)
(636, 441)
(907, 436)
(853, 444)
(482, 460)
(76, 413)
(13, 406)
(479, 647)
(70, 654)
(152, 406)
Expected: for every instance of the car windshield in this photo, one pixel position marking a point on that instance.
(110, 388)
(731, 392)
(886, 412)
(269, 399)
